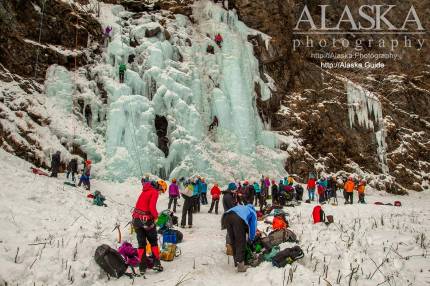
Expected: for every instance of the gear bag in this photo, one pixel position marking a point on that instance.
(110, 261)
(277, 237)
(287, 256)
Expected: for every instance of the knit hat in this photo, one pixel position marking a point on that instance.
(231, 186)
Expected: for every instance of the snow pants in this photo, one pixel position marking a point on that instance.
(349, 197)
(196, 204)
(73, 175)
(361, 198)
(173, 200)
(236, 230)
(214, 203)
(204, 198)
(121, 77)
(311, 194)
(143, 233)
(187, 208)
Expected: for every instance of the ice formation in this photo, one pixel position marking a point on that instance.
(178, 79)
(367, 108)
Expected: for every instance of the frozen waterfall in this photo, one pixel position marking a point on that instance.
(173, 76)
(367, 108)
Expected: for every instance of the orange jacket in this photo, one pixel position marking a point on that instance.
(279, 223)
(361, 188)
(349, 186)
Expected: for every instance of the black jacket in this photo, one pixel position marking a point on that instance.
(228, 200)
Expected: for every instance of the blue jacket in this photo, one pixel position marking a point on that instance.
(204, 188)
(257, 188)
(247, 213)
(196, 190)
(323, 183)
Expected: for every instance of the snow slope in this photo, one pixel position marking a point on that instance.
(57, 231)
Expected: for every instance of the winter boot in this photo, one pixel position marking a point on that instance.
(241, 267)
(142, 258)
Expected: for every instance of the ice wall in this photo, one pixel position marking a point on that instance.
(367, 108)
(178, 79)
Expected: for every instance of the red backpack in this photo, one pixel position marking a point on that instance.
(318, 214)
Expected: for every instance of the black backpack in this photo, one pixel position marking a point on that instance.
(110, 261)
(287, 256)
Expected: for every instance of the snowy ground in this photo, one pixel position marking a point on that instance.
(57, 231)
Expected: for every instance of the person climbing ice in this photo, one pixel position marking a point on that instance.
(144, 216)
(218, 40)
(214, 123)
(122, 69)
(108, 35)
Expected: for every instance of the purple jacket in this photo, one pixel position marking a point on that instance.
(267, 182)
(173, 190)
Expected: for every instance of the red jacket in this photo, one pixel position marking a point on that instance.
(311, 183)
(147, 202)
(215, 193)
(218, 38)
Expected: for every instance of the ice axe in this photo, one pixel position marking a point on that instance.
(117, 227)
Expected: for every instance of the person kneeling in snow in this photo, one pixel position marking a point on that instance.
(144, 216)
(238, 221)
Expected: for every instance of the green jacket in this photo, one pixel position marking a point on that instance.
(122, 68)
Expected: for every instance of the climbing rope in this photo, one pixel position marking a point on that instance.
(40, 37)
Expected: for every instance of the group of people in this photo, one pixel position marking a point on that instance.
(72, 169)
(327, 188)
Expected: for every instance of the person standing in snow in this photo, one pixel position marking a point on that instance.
(215, 193)
(196, 195)
(173, 194)
(360, 190)
(311, 188)
(228, 200)
(274, 192)
(258, 196)
(55, 164)
(248, 193)
(218, 40)
(122, 69)
(144, 216)
(203, 193)
(239, 221)
(187, 208)
(85, 177)
(349, 190)
(72, 168)
(331, 188)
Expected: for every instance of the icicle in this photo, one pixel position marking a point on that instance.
(368, 109)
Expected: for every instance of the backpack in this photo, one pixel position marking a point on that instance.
(168, 252)
(273, 252)
(110, 261)
(277, 237)
(330, 219)
(129, 253)
(397, 204)
(171, 236)
(318, 214)
(287, 256)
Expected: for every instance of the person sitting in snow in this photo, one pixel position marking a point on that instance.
(218, 40)
(360, 190)
(55, 164)
(239, 221)
(122, 69)
(215, 193)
